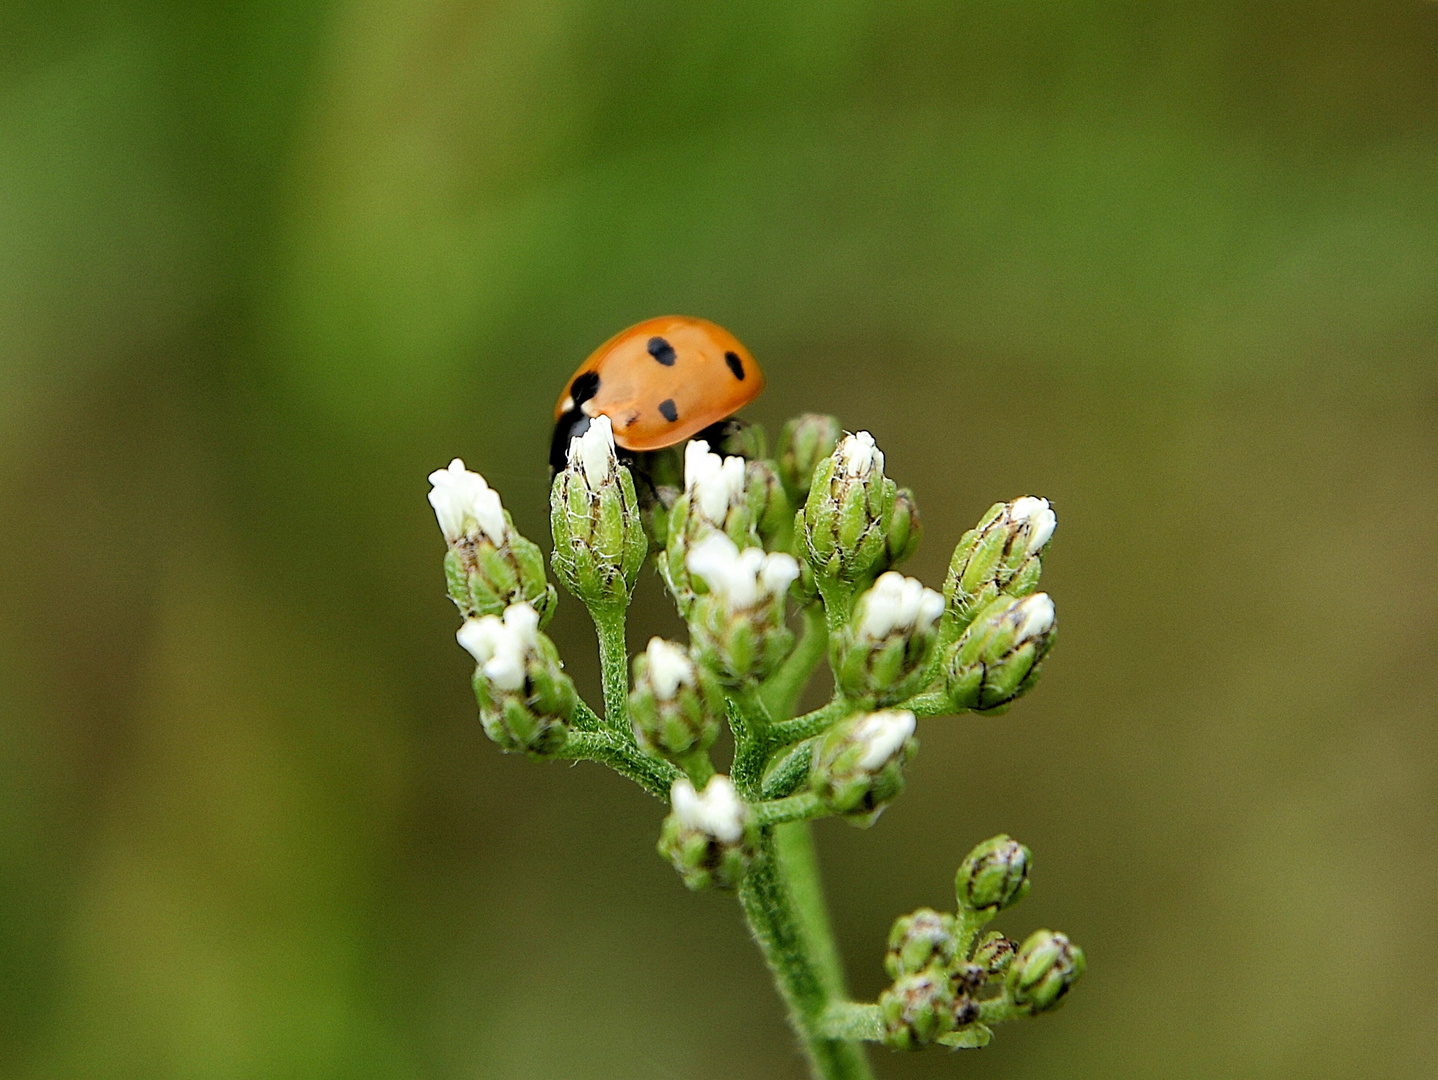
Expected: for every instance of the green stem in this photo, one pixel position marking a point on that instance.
(853, 1020)
(652, 774)
(928, 703)
(789, 772)
(784, 905)
(781, 693)
(749, 720)
(793, 808)
(613, 665)
(811, 723)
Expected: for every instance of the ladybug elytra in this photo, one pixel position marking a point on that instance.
(659, 382)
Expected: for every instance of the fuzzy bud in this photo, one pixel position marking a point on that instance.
(917, 1009)
(714, 500)
(1045, 969)
(737, 624)
(769, 507)
(920, 940)
(993, 876)
(1002, 555)
(523, 694)
(994, 954)
(881, 653)
(845, 520)
(859, 764)
(905, 529)
(489, 565)
(599, 540)
(999, 656)
(804, 442)
(675, 706)
(709, 836)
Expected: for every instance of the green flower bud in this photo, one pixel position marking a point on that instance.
(905, 528)
(859, 764)
(599, 541)
(993, 876)
(917, 1009)
(1004, 554)
(994, 954)
(489, 565)
(1046, 966)
(659, 481)
(675, 706)
(1000, 654)
(769, 507)
(709, 836)
(714, 501)
(523, 694)
(846, 518)
(737, 625)
(738, 438)
(920, 940)
(804, 442)
(881, 654)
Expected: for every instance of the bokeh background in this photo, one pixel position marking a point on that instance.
(264, 265)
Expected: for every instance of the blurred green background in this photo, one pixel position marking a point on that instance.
(265, 265)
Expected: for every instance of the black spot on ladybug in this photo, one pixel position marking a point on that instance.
(735, 365)
(662, 351)
(584, 387)
(669, 411)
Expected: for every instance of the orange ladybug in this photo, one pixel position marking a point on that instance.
(659, 382)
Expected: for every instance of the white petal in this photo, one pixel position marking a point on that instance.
(479, 637)
(669, 667)
(1035, 615)
(594, 450)
(720, 810)
(859, 454)
(1039, 518)
(780, 571)
(462, 500)
(883, 735)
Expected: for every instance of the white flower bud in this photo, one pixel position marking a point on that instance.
(1035, 617)
(594, 450)
(859, 454)
(882, 735)
(502, 646)
(714, 484)
(463, 502)
(717, 811)
(669, 668)
(1034, 515)
(741, 579)
(899, 604)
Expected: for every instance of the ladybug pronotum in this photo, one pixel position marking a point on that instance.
(659, 382)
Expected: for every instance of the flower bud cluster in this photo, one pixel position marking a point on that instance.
(737, 622)
(599, 539)
(488, 564)
(998, 658)
(524, 696)
(859, 764)
(709, 835)
(882, 652)
(1002, 555)
(944, 980)
(676, 704)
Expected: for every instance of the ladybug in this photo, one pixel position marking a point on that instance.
(659, 382)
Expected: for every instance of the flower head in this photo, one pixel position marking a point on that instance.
(717, 810)
(741, 579)
(501, 646)
(899, 604)
(714, 484)
(464, 504)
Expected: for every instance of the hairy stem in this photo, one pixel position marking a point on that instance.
(793, 808)
(781, 693)
(652, 774)
(811, 723)
(854, 1020)
(613, 666)
(784, 904)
